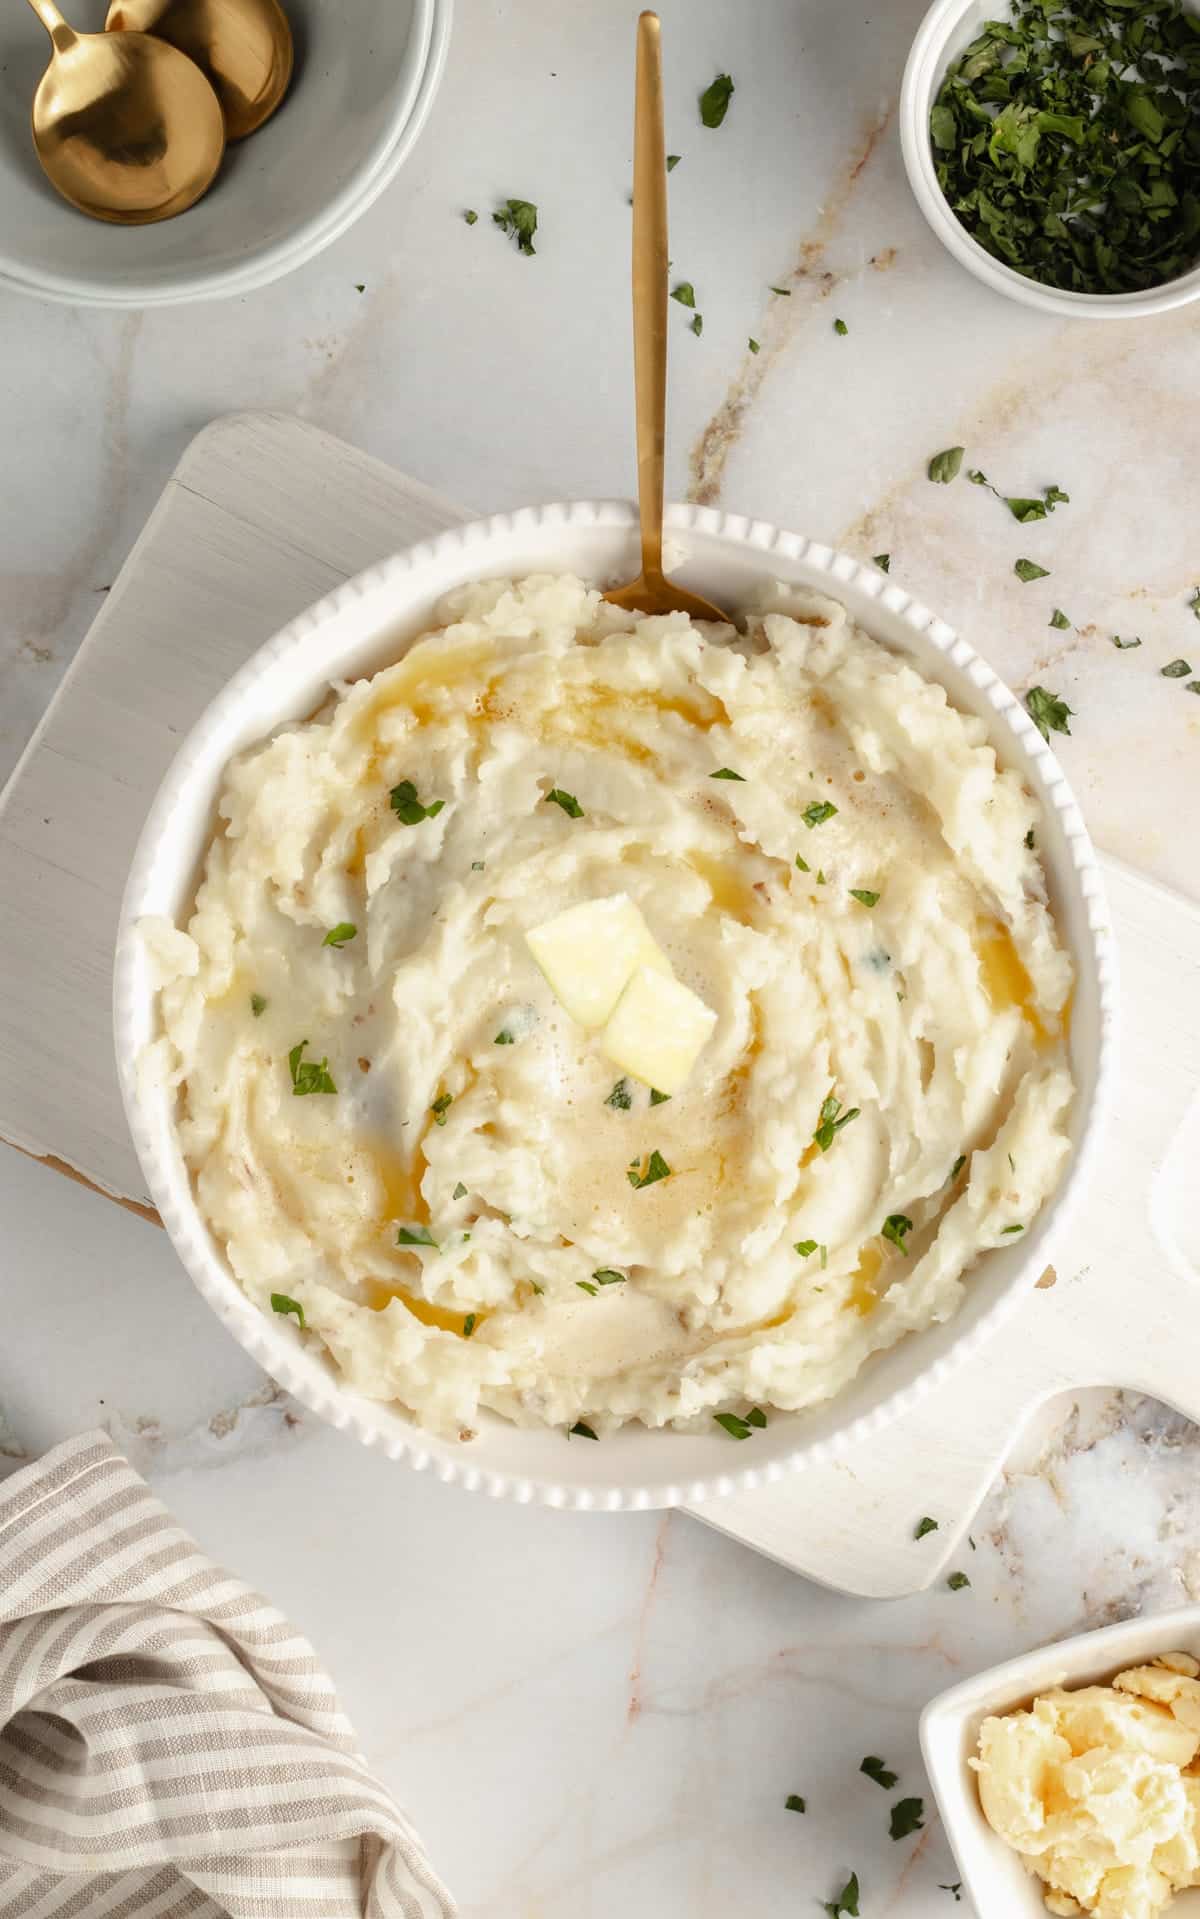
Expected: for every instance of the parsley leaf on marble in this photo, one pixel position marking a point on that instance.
(839, 326)
(876, 1770)
(864, 896)
(884, 562)
(657, 1098)
(896, 1227)
(794, 1803)
(340, 934)
(570, 805)
(908, 1815)
(280, 1303)
(830, 1124)
(1177, 670)
(609, 1276)
(1059, 619)
(441, 1106)
(685, 293)
(1123, 646)
(1030, 570)
(957, 1581)
(656, 1169)
(1025, 510)
(923, 1526)
(621, 1096)
(846, 1901)
(519, 219)
(714, 101)
(944, 466)
(416, 1236)
(258, 1005)
(1048, 712)
(580, 1430)
(727, 773)
(307, 1076)
(407, 807)
(469, 1324)
(817, 812)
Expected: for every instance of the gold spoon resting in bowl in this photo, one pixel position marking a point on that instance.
(244, 47)
(652, 592)
(126, 127)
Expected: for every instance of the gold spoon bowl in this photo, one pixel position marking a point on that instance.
(126, 127)
(243, 46)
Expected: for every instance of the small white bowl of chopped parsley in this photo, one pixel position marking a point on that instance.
(1055, 149)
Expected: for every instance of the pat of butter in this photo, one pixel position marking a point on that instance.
(657, 1030)
(1092, 1788)
(590, 952)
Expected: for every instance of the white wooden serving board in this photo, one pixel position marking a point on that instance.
(266, 514)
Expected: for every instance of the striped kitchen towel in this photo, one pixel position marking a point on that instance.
(169, 1743)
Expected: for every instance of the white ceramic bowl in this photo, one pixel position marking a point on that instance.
(366, 73)
(948, 27)
(362, 627)
(993, 1876)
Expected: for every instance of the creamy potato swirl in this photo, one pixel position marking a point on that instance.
(828, 855)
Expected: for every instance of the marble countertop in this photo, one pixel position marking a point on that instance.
(587, 1714)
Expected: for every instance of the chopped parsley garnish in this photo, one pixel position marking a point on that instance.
(727, 772)
(621, 1096)
(609, 1276)
(469, 1324)
(656, 1169)
(714, 101)
(794, 1803)
(1048, 712)
(307, 1076)
(408, 808)
(657, 1098)
(673, 160)
(876, 1770)
(846, 1901)
(896, 1227)
(1029, 840)
(839, 326)
(339, 934)
(820, 877)
(1123, 646)
(685, 293)
(1194, 603)
(570, 805)
(580, 1430)
(504, 1038)
(883, 561)
(806, 1248)
(1067, 153)
(1013, 1229)
(785, 293)
(803, 864)
(697, 324)
(1030, 570)
(416, 1236)
(280, 1303)
(864, 896)
(1059, 619)
(1177, 670)
(908, 1815)
(476, 866)
(585, 1286)
(470, 216)
(739, 1428)
(1193, 686)
(923, 1526)
(441, 1106)
(957, 1581)
(258, 1005)
(460, 1191)
(817, 812)
(944, 466)
(518, 218)
(754, 346)
(829, 1124)
(958, 1165)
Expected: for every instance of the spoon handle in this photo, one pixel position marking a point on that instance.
(52, 20)
(650, 288)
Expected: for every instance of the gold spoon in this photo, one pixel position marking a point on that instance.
(652, 592)
(244, 46)
(126, 127)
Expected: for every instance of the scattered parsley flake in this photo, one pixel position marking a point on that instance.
(876, 1770)
(739, 1428)
(621, 1096)
(864, 896)
(258, 1005)
(504, 1038)
(585, 1286)
(307, 1076)
(657, 1098)
(697, 324)
(460, 1191)
(1194, 603)
(1029, 840)
(714, 101)
(1176, 670)
(580, 1430)
(1048, 712)
(656, 1169)
(944, 466)
(794, 1803)
(785, 293)
(476, 866)
(957, 1581)
(280, 1303)
(840, 327)
(754, 346)
(470, 216)
(803, 864)
(341, 933)
(1059, 619)
(570, 805)
(846, 1901)
(685, 293)
(756, 1417)
(1024, 510)
(884, 562)
(829, 1124)
(820, 877)
(1123, 646)
(1030, 570)
(1013, 1229)
(895, 1228)
(908, 1815)
(408, 808)
(441, 1106)
(416, 1236)
(609, 1276)
(519, 219)
(955, 1888)
(469, 1324)
(727, 773)
(923, 1526)
(1193, 686)
(817, 812)
(806, 1248)
(673, 160)
(958, 1165)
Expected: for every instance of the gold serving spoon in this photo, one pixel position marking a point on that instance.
(244, 46)
(652, 592)
(126, 127)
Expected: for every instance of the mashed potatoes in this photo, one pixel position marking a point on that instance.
(1091, 1787)
(395, 1124)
